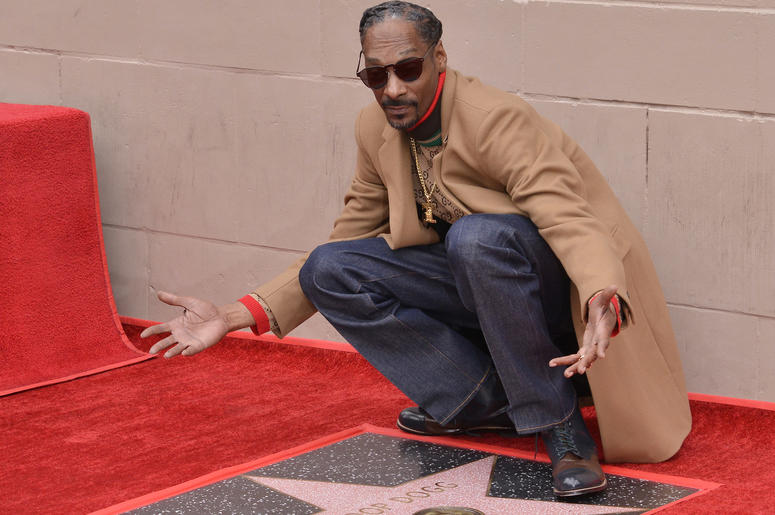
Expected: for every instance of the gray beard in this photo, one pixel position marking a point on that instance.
(402, 125)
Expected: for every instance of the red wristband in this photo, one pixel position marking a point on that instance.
(259, 315)
(617, 311)
(618, 308)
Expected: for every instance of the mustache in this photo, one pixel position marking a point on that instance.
(388, 102)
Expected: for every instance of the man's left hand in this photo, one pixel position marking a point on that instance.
(600, 323)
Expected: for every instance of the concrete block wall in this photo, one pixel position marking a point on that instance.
(223, 137)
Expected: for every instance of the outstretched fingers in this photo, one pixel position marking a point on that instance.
(187, 303)
(570, 359)
(577, 363)
(178, 300)
(602, 341)
(162, 344)
(176, 350)
(581, 361)
(597, 335)
(155, 329)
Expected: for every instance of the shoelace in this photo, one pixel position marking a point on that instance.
(535, 451)
(563, 436)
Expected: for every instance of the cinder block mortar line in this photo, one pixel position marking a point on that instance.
(337, 79)
(161, 63)
(645, 4)
(542, 97)
(321, 47)
(147, 304)
(646, 187)
(149, 232)
(672, 108)
(59, 77)
(522, 50)
(720, 310)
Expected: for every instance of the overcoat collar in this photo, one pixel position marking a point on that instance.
(447, 101)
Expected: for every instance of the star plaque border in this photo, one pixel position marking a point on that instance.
(395, 472)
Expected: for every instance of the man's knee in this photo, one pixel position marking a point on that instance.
(322, 265)
(339, 266)
(472, 235)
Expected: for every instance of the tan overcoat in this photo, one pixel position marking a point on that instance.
(500, 156)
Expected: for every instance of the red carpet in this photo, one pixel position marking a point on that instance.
(80, 446)
(57, 316)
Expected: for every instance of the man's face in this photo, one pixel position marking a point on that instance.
(390, 42)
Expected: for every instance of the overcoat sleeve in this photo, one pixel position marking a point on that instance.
(541, 180)
(365, 215)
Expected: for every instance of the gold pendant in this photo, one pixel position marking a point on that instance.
(428, 213)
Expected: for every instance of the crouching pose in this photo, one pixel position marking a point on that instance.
(481, 261)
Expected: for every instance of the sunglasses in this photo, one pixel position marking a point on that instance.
(408, 70)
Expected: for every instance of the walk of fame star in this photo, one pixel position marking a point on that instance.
(466, 485)
(377, 471)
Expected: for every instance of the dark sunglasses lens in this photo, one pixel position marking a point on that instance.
(374, 77)
(409, 70)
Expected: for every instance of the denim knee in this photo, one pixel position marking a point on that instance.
(321, 265)
(471, 235)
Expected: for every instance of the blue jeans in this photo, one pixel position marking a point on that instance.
(440, 320)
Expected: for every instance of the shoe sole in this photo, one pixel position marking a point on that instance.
(581, 491)
(454, 431)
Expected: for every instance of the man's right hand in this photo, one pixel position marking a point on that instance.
(201, 325)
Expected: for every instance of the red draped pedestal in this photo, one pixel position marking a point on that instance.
(58, 320)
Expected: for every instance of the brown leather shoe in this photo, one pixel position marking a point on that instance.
(572, 475)
(575, 467)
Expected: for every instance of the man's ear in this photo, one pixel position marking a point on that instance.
(440, 55)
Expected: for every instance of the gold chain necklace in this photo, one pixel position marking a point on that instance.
(427, 205)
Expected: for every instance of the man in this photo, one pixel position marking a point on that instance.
(480, 262)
